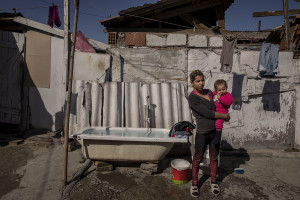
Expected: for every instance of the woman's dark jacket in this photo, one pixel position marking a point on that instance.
(204, 112)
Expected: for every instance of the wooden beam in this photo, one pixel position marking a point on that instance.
(220, 16)
(287, 24)
(176, 12)
(193, 21)
(275, 13)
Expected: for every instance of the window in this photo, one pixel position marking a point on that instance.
(112, 38)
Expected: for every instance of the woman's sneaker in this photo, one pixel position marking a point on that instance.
(194, 191)
(215, 189)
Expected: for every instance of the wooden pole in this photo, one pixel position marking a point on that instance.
(286, 24)
(66, 59)
(66, 36)
(259, 24)
(68, 106)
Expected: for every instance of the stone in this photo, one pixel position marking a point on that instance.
(103, 166)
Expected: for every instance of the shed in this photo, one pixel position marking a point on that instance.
(33, 74)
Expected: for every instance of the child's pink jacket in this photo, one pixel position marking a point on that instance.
(222, 106)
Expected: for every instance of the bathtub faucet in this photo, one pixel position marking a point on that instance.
(147, 111)
(147, 115)
(148, 122)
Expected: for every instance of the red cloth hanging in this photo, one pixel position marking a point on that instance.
(82, 43)
(53, 16)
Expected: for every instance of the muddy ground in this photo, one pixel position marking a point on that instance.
(32, 169)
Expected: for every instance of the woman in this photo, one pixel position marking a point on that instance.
(203, 109)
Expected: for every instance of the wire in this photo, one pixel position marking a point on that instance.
(104, 16)
(50, 3)
(62, 6)
(139, 17)
(9, 9)
(128, 15)
(156, 20)
(24, 8)
(111, 11)
(89, 14)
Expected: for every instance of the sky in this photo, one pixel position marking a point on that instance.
(238, 17)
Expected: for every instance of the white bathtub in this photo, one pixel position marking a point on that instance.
(126, 144)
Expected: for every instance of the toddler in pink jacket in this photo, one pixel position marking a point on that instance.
(222, 100)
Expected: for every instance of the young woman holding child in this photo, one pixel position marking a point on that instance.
(204, 110)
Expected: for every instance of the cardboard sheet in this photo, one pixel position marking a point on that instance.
(38, 59)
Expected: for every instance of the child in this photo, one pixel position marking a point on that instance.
(222, 100)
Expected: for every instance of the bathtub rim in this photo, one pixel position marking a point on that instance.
(79, 135)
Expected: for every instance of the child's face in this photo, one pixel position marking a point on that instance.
(221, 89)
(198, 83)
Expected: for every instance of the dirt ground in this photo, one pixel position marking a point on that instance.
(32, 169)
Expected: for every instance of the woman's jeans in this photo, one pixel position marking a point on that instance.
(211, 139)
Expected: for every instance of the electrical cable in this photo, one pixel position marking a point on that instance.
(174, 24)
(9, 9)
(90, 7)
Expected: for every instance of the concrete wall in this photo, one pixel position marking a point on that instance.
(46, 104)
(149, 65)
(297, 102)
(263, 111)
(188, 40)
(91, 66)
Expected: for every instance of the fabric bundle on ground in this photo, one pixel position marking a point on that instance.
(182, 129)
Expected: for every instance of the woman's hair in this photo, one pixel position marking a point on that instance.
(195, 73)
(220, 82)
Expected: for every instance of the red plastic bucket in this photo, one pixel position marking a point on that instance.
(180, 171)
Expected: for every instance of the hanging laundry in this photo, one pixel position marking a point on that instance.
(268, 59)
(53, 16)
(226, 60)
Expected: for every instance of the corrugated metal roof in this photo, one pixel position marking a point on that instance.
(119, 104)
(163, 4)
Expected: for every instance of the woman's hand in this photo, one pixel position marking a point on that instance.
(224, 116)
(227, 117)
